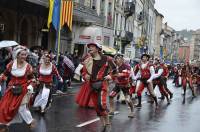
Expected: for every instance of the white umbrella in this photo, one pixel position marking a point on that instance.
(7, 43)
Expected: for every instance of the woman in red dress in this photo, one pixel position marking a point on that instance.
(46, 72)
(14, 104)
(83, 98)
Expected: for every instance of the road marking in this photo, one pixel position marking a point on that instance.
(93, 120)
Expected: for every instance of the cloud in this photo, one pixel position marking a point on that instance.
(180, 14)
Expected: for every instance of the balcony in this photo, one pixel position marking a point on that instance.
(127, 36)
(40, 2)
(86, 14)
(129, 9)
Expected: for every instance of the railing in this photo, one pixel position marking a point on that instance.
(87, 13)
(129, 8)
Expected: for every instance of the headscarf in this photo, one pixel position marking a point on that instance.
(17, 50)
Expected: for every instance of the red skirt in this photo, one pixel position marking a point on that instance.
(83, 98)
(10, 104)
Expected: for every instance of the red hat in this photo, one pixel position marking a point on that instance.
(95, 44)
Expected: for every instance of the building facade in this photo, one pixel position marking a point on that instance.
(23, 21)
(195, 46)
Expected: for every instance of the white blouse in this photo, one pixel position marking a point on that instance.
(45, 71)
(18, 72)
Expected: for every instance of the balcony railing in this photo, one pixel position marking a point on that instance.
(87, 14)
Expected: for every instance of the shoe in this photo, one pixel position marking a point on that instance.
(59, 92)
(131, 115)
(4, 128)
(162, 98)
(138, 105)
(111, 113)
(171, 96)
(32, 125)
(42, 112)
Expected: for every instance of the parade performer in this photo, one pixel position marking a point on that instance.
(45, 77)
(14, 104)
(165, 76)
(186, 78)
(145, 74)
(101, 69)
(159, 78)
(122, 80)
(83, 98)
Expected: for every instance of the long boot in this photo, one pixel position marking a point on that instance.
(155, 99)
(139, 105)
(169, 92)
(193, 93)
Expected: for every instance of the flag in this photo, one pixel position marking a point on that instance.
(67, 13)
(51, 5)
(56, 14)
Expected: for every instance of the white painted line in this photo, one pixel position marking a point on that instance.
(143, 102)
(92, 121)
(88, 122)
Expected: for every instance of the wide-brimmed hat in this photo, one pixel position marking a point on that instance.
(145, 54)
(95, 44)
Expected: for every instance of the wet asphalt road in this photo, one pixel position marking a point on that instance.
(65, 115)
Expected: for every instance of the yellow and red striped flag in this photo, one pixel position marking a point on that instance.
(67, 13)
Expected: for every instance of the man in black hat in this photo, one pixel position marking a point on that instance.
(145, 74)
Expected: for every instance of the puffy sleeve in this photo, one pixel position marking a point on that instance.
(136, 72)
(152, 71)
(6, 73)
(55, 71)
(112, 66)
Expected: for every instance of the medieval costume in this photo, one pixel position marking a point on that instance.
(14, 104)
(45, 75)
(186, 78)
(83, 98)
(122, 80)
(145, 74)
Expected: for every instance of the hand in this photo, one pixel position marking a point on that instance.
(120, 74)
(30, 88)
(148, 81)
(108, 77)
(87, 77)
(61, 80)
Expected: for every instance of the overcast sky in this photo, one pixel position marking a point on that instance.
(180, 14)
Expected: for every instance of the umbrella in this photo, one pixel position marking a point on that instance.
(7, 43)
(69, 63)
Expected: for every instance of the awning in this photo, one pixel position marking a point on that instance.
(109, 50)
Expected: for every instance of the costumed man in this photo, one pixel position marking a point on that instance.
(165, 76)
(100, 71)
(159, 78)
(122, 80)
(145, 74)
(186, 78)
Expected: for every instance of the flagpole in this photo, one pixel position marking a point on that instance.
(58, 39)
